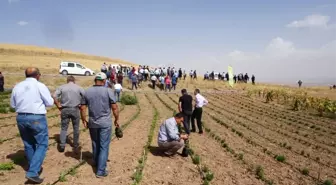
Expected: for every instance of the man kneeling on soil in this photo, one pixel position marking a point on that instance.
(169, 139)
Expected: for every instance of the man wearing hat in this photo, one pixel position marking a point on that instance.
(100, 102)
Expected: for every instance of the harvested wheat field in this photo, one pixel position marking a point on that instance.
(253, 134)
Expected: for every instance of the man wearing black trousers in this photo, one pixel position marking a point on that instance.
(200, 101)
(185, 106)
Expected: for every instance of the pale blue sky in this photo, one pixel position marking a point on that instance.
(199, 33)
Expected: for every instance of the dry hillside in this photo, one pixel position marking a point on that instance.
(17, 57)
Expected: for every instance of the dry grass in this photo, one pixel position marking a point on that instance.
(15, 58)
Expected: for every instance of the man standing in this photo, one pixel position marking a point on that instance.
(169, 139)
(153, 79)
(185, 107)
(70, 96)
(100, 101)
(134, 80)
(117, 91)
(29, 99)
(200, 101)
(2, 82)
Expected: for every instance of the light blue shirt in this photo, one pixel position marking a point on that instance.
(31, 96)
(168, 131)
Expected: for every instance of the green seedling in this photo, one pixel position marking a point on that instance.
(7, 166)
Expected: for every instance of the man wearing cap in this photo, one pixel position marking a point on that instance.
(70, 96)
(100, 102)
(29, 99)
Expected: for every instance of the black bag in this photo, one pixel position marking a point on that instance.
(118, 132)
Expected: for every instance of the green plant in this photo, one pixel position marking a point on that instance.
(11, 109)
(7, 166)
(327, 182)
(240, 156)
(209, 176)
(305, 171)
(128, 99)
(62, 177)
(3, 110)
(196, 159)
(260, 173)
(280, 158)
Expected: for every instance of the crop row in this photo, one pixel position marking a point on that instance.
(298, 100)
(255, 112)
(72, 170)
(302, 118)
(271, 139)
(239, 133)
(205, 172)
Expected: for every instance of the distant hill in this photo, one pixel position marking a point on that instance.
(16, 57)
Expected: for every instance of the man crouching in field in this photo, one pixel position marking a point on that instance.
(169, 139)
(100, 101)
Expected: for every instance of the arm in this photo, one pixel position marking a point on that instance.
(171, 132)
(82, 109)
(56, 96)
(45, 95)
(12, 100)
(180, 105)
(114, 107)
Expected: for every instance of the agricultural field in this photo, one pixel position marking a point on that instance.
(247, 141)
(262, 134)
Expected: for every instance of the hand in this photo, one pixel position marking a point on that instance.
(116, 123)
(85, 123)
(183, 136)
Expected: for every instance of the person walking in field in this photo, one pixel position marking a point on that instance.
(200, 101)
(153, 79)
(174, 82)
(167, 82)
(162, 82)
(117, 91)
(185, 107)
(134, 80)
(169, 138)
(100, 102)
(2, 82)
(300, 83)
(29, 99)
(120, 78)
(184, 75)
(253, 79)
(70, 96)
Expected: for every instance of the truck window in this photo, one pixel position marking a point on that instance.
(71, 65)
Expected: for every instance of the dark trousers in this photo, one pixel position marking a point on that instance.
(2, 88)
(101, 138)
(168, 87)
(134, 84)
(68, 114)
(174, 86)
(153, 84)
(197, 114)
(186, 121)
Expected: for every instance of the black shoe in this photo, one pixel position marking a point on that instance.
(192, 130)
(200, 132)
(41, 170)
(60, 149)
(36, 180)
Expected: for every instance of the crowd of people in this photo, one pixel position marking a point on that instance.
(240, 78)
(30, 98)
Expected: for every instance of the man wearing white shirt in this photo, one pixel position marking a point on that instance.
(200, 101)
(29, 99)
(117, 90)
(153, 79)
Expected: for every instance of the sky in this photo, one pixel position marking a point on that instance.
(277, 41)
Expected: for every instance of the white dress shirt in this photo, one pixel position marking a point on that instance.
(31, 96)
(200, 101)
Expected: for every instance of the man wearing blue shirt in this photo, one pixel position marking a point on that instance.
(29, 99)
(169, 139)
